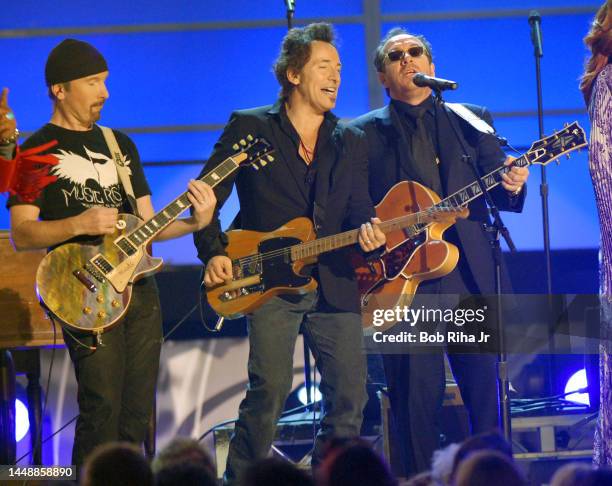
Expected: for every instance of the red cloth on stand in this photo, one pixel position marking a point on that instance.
(28, 173)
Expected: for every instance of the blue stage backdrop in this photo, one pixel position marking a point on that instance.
(179, 68)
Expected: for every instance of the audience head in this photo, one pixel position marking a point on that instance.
(185, 473)
(581, 474)
(486, 468)
(421, 479)
(116, 463)
(485, 441)
(275, 472)
(180, 450)
(353, 463)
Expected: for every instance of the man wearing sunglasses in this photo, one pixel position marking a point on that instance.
(411, 138)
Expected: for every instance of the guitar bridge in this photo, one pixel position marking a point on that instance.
(85, 281)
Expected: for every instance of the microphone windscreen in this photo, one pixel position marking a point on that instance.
(420, 80)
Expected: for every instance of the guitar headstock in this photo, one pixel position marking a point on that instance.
(257, 151)
(544, 151)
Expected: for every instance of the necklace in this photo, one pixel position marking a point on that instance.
(308, 153)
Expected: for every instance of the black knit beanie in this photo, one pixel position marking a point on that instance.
(73, 59)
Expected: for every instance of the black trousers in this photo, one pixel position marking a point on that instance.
(116, 383)
(416, 381)
(416, 391)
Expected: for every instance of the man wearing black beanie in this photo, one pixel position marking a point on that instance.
(116, 380)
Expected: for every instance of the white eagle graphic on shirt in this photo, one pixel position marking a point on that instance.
(79, 170)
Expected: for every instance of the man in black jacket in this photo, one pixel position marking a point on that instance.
(320, 172)
(411, 139)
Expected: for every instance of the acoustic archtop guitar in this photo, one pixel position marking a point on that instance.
(88, 286)
(419, 253)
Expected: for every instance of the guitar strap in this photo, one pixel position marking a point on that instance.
(474, 120)
(122, 170)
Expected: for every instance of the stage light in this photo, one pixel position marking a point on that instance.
(314, 392)
(22, 421)
(577, 381)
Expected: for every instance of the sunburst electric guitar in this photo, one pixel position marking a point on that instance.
(418, 252)
(88, 286)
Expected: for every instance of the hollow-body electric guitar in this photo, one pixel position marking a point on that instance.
(419, 253)
(88, 286)
(268, 264)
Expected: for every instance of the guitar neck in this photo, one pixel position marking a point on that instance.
(329, 243)
(473, 191)
(413, 221)
(149, 230)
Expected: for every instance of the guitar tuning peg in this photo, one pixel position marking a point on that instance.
(255, 166)
(270, 158)
(236, 146)
(568, 156)
(249, 137)
(242, 142)
(262, 162)
(559, 162)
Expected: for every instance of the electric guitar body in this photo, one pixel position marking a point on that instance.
(80, 294)
(262, 268)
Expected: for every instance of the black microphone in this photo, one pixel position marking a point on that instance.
(437, 84)
(536, 32)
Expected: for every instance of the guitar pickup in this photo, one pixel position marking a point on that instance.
(242, 291)
(85, 281)
(93, 271)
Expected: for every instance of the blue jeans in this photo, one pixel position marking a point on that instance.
(335, 339)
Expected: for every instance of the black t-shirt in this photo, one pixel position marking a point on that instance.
(86, 173)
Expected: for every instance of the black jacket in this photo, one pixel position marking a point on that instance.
(341, 199)
(388, 148)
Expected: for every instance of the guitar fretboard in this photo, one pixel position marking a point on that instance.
(151, 228)
(415, 222)
(329, 243)
(466, 195)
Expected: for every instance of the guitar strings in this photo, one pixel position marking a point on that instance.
(287, 250)
(444, 204)
(233, 166)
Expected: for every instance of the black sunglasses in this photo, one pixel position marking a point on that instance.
(414, 51)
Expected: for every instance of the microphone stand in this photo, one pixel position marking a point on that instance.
(494, 231)
(290, 4)
(536, 39)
